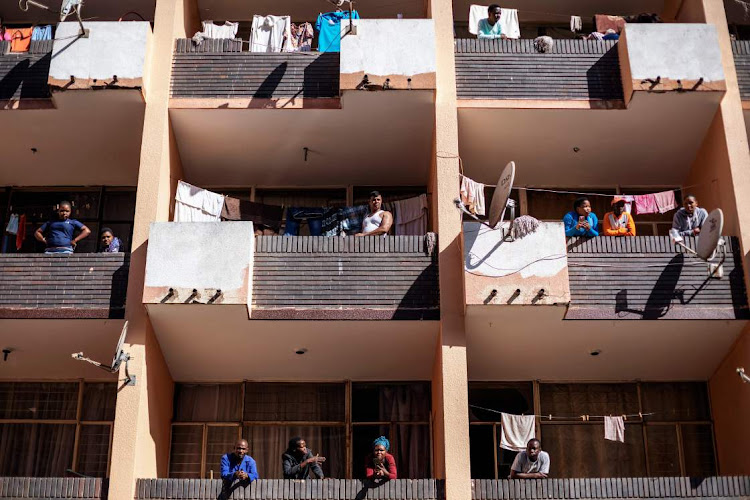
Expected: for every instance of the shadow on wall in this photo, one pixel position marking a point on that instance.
(119, 290)
(603, 78)
(321, 77)
(422, 299)
(26, 80)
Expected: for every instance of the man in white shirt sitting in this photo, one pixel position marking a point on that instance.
(532, 463)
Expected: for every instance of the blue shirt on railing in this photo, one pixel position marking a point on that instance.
(571, 221)
(230, 464)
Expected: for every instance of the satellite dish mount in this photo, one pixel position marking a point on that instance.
(708, 242)
(66, 8)
(120, 357)
(500, 201)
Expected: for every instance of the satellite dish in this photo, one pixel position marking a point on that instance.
(502, 192)
(710, 235)
(69, 6)
(117, 360)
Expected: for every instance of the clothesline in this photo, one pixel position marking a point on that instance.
(585, 418)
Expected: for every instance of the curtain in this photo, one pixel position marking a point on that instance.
(590, 399)
(268, 443)
(296, 402)
(676, 401)
(186, 452)
(36, 450)
(219, 441)
(663, 450)
(39, 400)
(93, 450)
(698, 447)
(404, 403)
(99, 400)
(207, 402)
(580, 450)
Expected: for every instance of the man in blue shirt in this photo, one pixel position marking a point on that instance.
(490, 27)
(238, 465)
(58, 235)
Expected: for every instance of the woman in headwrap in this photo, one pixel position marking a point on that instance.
(380, 464)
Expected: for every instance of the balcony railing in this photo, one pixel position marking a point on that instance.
(741, 52)
(53, 487)
(23, 75)
(81, 286)
(280, 489)
(649, 277)
(513, 69)
(369, 277)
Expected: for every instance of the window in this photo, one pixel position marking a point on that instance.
(44, 431)
(209, 418)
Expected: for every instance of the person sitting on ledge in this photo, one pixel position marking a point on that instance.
(689, 219)
(110, 242)
(581, 221)
(298, 461)
(377, 221)
(57, 235)
(533, 463)
(380, 464)
(238, 466)
(618, 222)
(489, 28)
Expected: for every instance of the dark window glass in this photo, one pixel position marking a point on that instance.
(391, 402)
(99, 400)
(36, 450)
(219, 441)
(294, 402)
(207, 402)
(185, 454)
(663, 450)
(698, 447)
(676, 401)
(93, 450)
(39, 400)
(588, 399)
(515, 398)
(481, 444)
(119, 205)
(582, 451)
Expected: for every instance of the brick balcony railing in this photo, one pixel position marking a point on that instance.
(23, 75)
(649, 277)
(369, 277)
(53, 487)
(81, 286)
(513, 69)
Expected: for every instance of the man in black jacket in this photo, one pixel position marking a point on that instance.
(298, 461)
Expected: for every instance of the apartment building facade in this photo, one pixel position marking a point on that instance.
(424, 338)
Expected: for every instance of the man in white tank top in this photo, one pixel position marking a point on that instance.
(377, 221)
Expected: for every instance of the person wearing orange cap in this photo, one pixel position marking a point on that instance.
(618, 222)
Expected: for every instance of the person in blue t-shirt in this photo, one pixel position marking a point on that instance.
(58, 235)
(581, 221)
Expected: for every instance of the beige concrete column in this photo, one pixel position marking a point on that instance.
(140, 447)
(449, 385)
(723, 168)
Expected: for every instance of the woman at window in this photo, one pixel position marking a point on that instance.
(380, 464)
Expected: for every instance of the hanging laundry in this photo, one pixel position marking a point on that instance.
(472, 195)
(517, 431)
(301, 38)
(604, 22)
(331, 26)
(628, 201)
(20, 39)
(226, 30)
(331, 222)
(352, 217)
(410, 216)
(665, 201)
(270, 33)
(312, 215)
(509, 23)
(645, 204)
(193, 204)
(476, 14)
(258, 213)
(41, 33)
(12, 227)
(576, 24)
(614, 429)
(21, 234)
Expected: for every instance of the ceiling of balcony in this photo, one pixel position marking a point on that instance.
(219, 343)
(307, 10)
(376, 137)
(92, 138)
(653, 142)
(93, 10)
(504, 345)
(41, 348)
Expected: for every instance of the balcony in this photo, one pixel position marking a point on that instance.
(199, 275)
(605, 278)
(278, 489)
(81, 286)
(53, 487)
(23, 76)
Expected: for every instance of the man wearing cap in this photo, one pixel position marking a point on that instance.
(618, 222)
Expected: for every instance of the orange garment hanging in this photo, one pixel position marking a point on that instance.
(20, 39)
